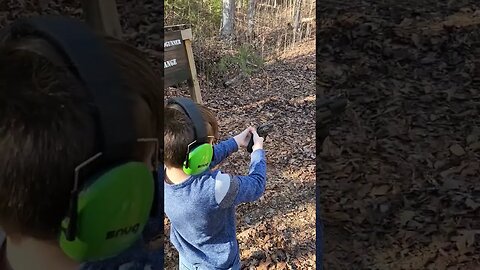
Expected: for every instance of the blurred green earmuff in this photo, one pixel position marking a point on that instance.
(111, 212)
(200, 151)
(109, 208)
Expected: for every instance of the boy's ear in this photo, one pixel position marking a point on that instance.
(210, 131)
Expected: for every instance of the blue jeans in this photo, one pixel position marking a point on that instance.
(184, 265)
(319, 244)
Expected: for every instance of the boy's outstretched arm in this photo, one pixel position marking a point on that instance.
(233, 190)
(225, 148)
(222, 150)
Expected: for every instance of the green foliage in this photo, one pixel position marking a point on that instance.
(216, 58)
(203, 16)
(246, 60)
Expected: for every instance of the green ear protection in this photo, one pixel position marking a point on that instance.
(108, 209)
(200, 151)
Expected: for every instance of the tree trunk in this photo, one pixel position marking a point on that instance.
(228, 19)
(251, 17)
(296, 20)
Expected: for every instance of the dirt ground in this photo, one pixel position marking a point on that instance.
(399, 173)
(278, 231)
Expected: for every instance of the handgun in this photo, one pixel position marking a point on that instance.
(262, 131)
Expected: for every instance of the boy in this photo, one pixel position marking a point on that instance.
(47, 127)
(201, 207)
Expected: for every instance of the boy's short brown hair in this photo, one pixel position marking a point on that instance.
(47, 128)
(179, 133)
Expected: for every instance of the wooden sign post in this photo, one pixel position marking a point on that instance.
(179, 65)
(102, 16)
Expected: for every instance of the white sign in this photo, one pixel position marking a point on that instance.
(170, 63)
(171, 43)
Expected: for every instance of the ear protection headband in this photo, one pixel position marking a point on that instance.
(109, 208)
(200, 151)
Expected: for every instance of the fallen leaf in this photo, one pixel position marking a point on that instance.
(472, 204)
(457, 150)
(451, 184)
(263, 266)
(474, 146)
(472, 138)
(465, 240)
(406, 216)
(380, 190)
(281, 266)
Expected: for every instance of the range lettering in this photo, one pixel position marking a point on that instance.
(170, 63)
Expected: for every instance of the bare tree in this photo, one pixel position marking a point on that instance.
(228, 19)
(296, 20)
(251, 16)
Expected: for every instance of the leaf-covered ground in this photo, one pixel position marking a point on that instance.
(278, 231)
(399, 173)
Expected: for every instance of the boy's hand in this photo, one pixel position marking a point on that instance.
(257, 141)
(262, 131)
(243, 138)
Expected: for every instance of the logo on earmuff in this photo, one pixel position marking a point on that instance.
(202, 165)
(123, 231)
